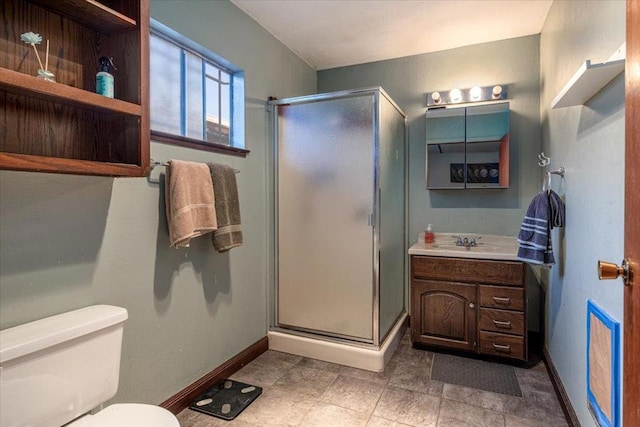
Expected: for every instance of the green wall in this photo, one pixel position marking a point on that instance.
(72, 241)
(589, 142)
(514, 62)
(407, 80)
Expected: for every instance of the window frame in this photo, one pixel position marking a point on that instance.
(237, 107)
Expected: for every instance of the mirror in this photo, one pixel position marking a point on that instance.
(468, 147)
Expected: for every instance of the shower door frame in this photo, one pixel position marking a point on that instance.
(374, 221)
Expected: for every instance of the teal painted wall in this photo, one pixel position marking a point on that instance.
(72, 241)
(589, 142)
(408, 80)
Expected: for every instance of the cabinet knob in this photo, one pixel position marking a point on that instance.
(471, 305)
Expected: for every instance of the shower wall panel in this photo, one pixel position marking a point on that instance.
(391, 211)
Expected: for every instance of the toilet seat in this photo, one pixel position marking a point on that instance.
(128, 415)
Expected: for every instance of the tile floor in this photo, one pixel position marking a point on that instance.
(304, 392)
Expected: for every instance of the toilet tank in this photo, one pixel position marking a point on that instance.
(55, 369)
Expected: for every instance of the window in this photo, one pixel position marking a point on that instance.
(197, 97)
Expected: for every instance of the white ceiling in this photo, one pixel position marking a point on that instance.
(334, 33)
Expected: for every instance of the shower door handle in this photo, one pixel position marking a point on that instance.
(370, 220)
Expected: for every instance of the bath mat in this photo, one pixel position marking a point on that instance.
(476, 374)
(226, 399)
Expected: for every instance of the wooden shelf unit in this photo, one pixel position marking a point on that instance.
(91, 13)
(23, 84)
(65, 127)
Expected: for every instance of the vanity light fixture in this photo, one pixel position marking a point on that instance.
(461, 96)
(496, 92)
(475, 93)
(455, 95)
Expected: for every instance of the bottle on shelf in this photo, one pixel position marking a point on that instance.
(104, 79)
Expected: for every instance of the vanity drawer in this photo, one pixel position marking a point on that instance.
(504, 321)
(468, 270)
(501, 297)
(502, 345)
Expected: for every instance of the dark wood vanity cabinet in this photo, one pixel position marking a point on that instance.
(469, 304)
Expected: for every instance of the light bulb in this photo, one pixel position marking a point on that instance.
(455, 95)
(497, 91)
(436, 97)
(475, 92)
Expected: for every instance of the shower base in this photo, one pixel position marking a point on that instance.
(357, 356)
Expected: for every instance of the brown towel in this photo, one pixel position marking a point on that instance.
(190, 202)
(229, 232)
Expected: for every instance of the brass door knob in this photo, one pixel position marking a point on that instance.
(610, 271)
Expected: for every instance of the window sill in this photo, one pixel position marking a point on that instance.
(183, 141)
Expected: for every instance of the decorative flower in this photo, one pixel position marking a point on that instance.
(31, 38)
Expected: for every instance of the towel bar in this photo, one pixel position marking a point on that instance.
(154, 163)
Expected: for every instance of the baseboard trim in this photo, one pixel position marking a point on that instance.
(563, 397)
(181, 400)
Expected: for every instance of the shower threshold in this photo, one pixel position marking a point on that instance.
(356, 355)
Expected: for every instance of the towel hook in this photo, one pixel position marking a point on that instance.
(543, 160)
(559, 171)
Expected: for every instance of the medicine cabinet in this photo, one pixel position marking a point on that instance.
(468, 147)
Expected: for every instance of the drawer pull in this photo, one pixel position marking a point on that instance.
(502, 300)
(502, 324)
(502, 348)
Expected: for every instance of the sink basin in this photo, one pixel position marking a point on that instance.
(489, 246)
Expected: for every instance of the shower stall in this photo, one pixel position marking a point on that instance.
(340, 227)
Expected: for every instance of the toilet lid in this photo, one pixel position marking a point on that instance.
(129, 415)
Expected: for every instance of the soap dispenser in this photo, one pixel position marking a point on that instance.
(104, 79)
(429, 235)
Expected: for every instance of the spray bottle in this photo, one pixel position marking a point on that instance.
(104, 80)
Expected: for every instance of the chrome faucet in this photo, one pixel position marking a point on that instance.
(466, 242)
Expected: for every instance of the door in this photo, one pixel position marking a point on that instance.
(446, 314)
(325, 186)
(631, 377)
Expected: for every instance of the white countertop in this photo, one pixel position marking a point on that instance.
(489, 247)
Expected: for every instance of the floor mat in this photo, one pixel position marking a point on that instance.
(474, 373)
(226, 399)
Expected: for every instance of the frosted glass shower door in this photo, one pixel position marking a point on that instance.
(325, 196)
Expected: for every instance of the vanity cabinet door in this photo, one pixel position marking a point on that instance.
(444, 314)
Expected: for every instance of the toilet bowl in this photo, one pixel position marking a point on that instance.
(128, 415)
(58, 369)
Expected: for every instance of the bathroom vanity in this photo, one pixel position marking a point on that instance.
(469, 298)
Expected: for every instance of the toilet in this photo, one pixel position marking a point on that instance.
(55, 370)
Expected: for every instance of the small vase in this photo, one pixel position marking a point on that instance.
(46, 75)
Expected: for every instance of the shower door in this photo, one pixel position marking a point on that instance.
(325, 196)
